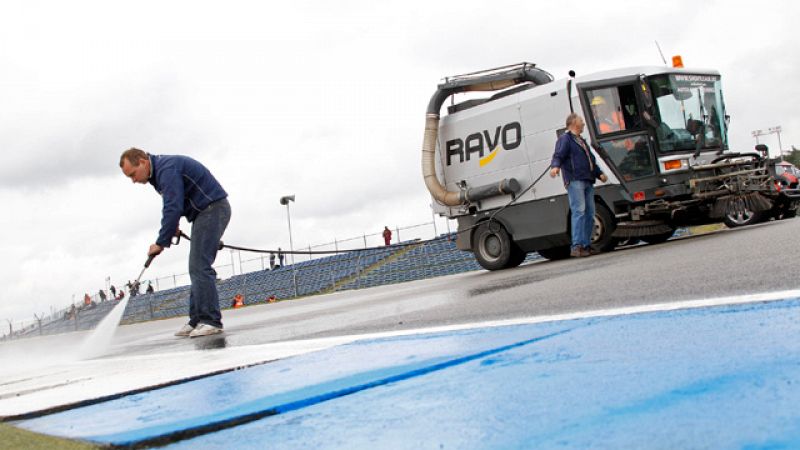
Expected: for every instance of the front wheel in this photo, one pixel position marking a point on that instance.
(741, 218)
(492, 246)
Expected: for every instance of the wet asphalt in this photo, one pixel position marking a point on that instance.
(729, 262)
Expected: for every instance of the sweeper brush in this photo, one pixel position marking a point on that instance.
(738, 204)
(641, 228)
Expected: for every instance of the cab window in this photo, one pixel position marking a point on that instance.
(614, 109)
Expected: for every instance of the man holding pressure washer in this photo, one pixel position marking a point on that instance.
(188, 189)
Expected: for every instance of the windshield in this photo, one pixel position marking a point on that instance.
(780, 169)
(690, 112)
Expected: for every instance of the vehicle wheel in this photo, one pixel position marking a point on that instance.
(604, 226)
(555, 253)
(517, 256)
(492, 246)
(789, 214)
(658, 238)
(742, 217)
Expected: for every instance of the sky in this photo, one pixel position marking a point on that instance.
(323, 100)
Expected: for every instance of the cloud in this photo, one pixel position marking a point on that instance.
(87, 142)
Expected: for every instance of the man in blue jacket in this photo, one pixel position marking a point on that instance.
(188, 189)
(578, 167)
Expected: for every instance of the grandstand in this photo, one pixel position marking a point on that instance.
(352, 270)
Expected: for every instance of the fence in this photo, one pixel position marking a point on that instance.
(239, 264)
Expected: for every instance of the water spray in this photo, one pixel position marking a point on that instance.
(99, 340)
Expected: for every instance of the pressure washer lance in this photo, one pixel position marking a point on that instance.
(146, 265)
(176, 241)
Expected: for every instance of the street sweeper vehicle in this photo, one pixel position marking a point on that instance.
(660, 134)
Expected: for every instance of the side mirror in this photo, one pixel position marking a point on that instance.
(762, 148)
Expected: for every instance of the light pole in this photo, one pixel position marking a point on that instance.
(757, 133)
(285, 201)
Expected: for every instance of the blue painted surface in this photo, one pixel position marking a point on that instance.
(724, 377)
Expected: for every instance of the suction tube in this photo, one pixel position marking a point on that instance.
(492, 80)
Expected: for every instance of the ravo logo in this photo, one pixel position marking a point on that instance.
(484, 143)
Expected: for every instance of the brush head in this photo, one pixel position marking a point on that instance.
(641, 228)
(735, 204)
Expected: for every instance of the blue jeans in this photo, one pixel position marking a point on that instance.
(207, 230)
(581, 205)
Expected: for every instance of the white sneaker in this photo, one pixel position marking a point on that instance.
(185, 330)
(205, 329)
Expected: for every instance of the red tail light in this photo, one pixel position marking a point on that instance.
(638, 196)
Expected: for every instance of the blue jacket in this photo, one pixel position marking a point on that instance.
(572, 160)
(186, 187)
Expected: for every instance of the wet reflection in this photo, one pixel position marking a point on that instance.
(505, 284)
(210, 342)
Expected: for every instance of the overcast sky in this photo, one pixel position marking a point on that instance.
(321, 99)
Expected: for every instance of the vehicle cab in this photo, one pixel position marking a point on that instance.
(654, 125)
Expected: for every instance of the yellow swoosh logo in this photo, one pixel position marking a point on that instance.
(488, 158)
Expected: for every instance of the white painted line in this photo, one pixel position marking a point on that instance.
(657, 307)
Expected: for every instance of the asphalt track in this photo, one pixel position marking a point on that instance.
(650, 354)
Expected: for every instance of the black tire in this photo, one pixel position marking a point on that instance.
(604, 226)
(789, 214)
(492, 246)
(742, 218)
(555, 253)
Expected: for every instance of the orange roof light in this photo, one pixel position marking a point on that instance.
(677, 62)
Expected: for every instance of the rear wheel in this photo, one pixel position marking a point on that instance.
(492, 246)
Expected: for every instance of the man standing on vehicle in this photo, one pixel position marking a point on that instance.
(578, 167)
(188, 189)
